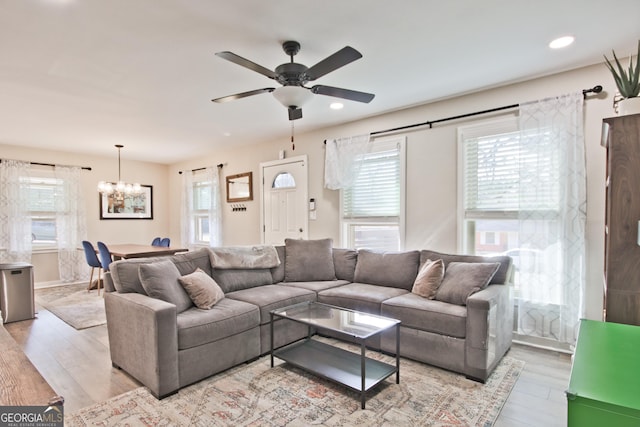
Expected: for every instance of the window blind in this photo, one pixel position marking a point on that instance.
(508, 173)
(376, 191)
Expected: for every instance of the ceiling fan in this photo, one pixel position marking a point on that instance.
(293, 77)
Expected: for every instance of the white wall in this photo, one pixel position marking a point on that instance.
(431, 169)
(110, 231)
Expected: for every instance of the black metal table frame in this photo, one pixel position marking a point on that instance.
(340, 354)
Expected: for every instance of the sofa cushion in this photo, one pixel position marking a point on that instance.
(277, 273)
(229, 317)
(160, 280)
(316, 286)
(359, 296)
(124, 274)
(462, 279)
(307, 260)
(235, 280)
(427, 315)
(271, 297)
(344, 262)
(395, 269)
(429, 279)
(503, 275)
(202, 289)
(187, 262)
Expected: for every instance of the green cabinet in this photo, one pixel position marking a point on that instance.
(604, 389)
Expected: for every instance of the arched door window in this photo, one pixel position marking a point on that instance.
(283, 180)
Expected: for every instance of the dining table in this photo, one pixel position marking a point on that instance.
(133, 250)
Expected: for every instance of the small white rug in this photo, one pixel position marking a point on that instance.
(73, 304)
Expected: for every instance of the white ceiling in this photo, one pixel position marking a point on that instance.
(83, 75)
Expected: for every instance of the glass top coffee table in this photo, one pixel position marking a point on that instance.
(356, 371)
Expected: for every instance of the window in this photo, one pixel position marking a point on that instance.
(489, 196)
(373, 208)
(200, 218)
(41, 190)
(284, 180)
(201, 206)
(496, 166)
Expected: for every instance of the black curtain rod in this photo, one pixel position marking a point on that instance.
(595, 89)
(219, 165)
(86, 168)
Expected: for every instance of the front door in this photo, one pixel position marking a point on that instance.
(284, 200)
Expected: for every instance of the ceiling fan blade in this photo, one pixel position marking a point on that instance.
(243, 94)
(295, 113)
(339, 59)
(337, 92)
(230, 56)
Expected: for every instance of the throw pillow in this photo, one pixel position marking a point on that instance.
(344, 261)
(160, 280)
(308, 260)
(202, 289)
(429, 279)
(462, 279)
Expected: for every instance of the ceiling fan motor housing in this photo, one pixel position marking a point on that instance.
(292, 74)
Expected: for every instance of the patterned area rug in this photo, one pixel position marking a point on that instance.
(73, 304)
(256, 395)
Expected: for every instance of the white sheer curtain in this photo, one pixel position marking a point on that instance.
(340, 166)
(15, 222)
(71, 224)
(201, 209)
(552, 218)
(215, 207)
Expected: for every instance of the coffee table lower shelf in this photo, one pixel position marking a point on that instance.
(336, 364)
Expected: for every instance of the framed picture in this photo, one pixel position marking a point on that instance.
(127, 206)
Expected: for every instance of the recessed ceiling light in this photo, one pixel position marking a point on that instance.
(561, 42)
(336, 105)
(227, 134)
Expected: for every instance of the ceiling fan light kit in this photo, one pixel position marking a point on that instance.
(293, 77)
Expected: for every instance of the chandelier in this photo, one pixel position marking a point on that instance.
(120, 188)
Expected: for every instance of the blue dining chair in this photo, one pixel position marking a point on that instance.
(93, 261)
(166, 242)
(156, 242)
(105, 256)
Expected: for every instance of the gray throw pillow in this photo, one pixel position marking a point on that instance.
(308, 260)
(462, 279)
(344, 261)
(429, 279)
(202, 289)
(503, 275)
(160, 281)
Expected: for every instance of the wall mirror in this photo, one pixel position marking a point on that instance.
(240, 187)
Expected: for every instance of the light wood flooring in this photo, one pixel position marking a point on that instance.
(77, 365)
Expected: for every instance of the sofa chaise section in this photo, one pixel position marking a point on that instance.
(470, 337)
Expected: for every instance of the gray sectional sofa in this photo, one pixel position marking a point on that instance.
(160, 338)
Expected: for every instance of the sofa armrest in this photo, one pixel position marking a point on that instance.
(107, 281)
(143, 339)
(489, 329)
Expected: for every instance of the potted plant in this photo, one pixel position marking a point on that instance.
(628, 83)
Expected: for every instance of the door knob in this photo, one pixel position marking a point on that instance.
(300, 230)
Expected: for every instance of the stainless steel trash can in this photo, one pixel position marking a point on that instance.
(16, 292)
